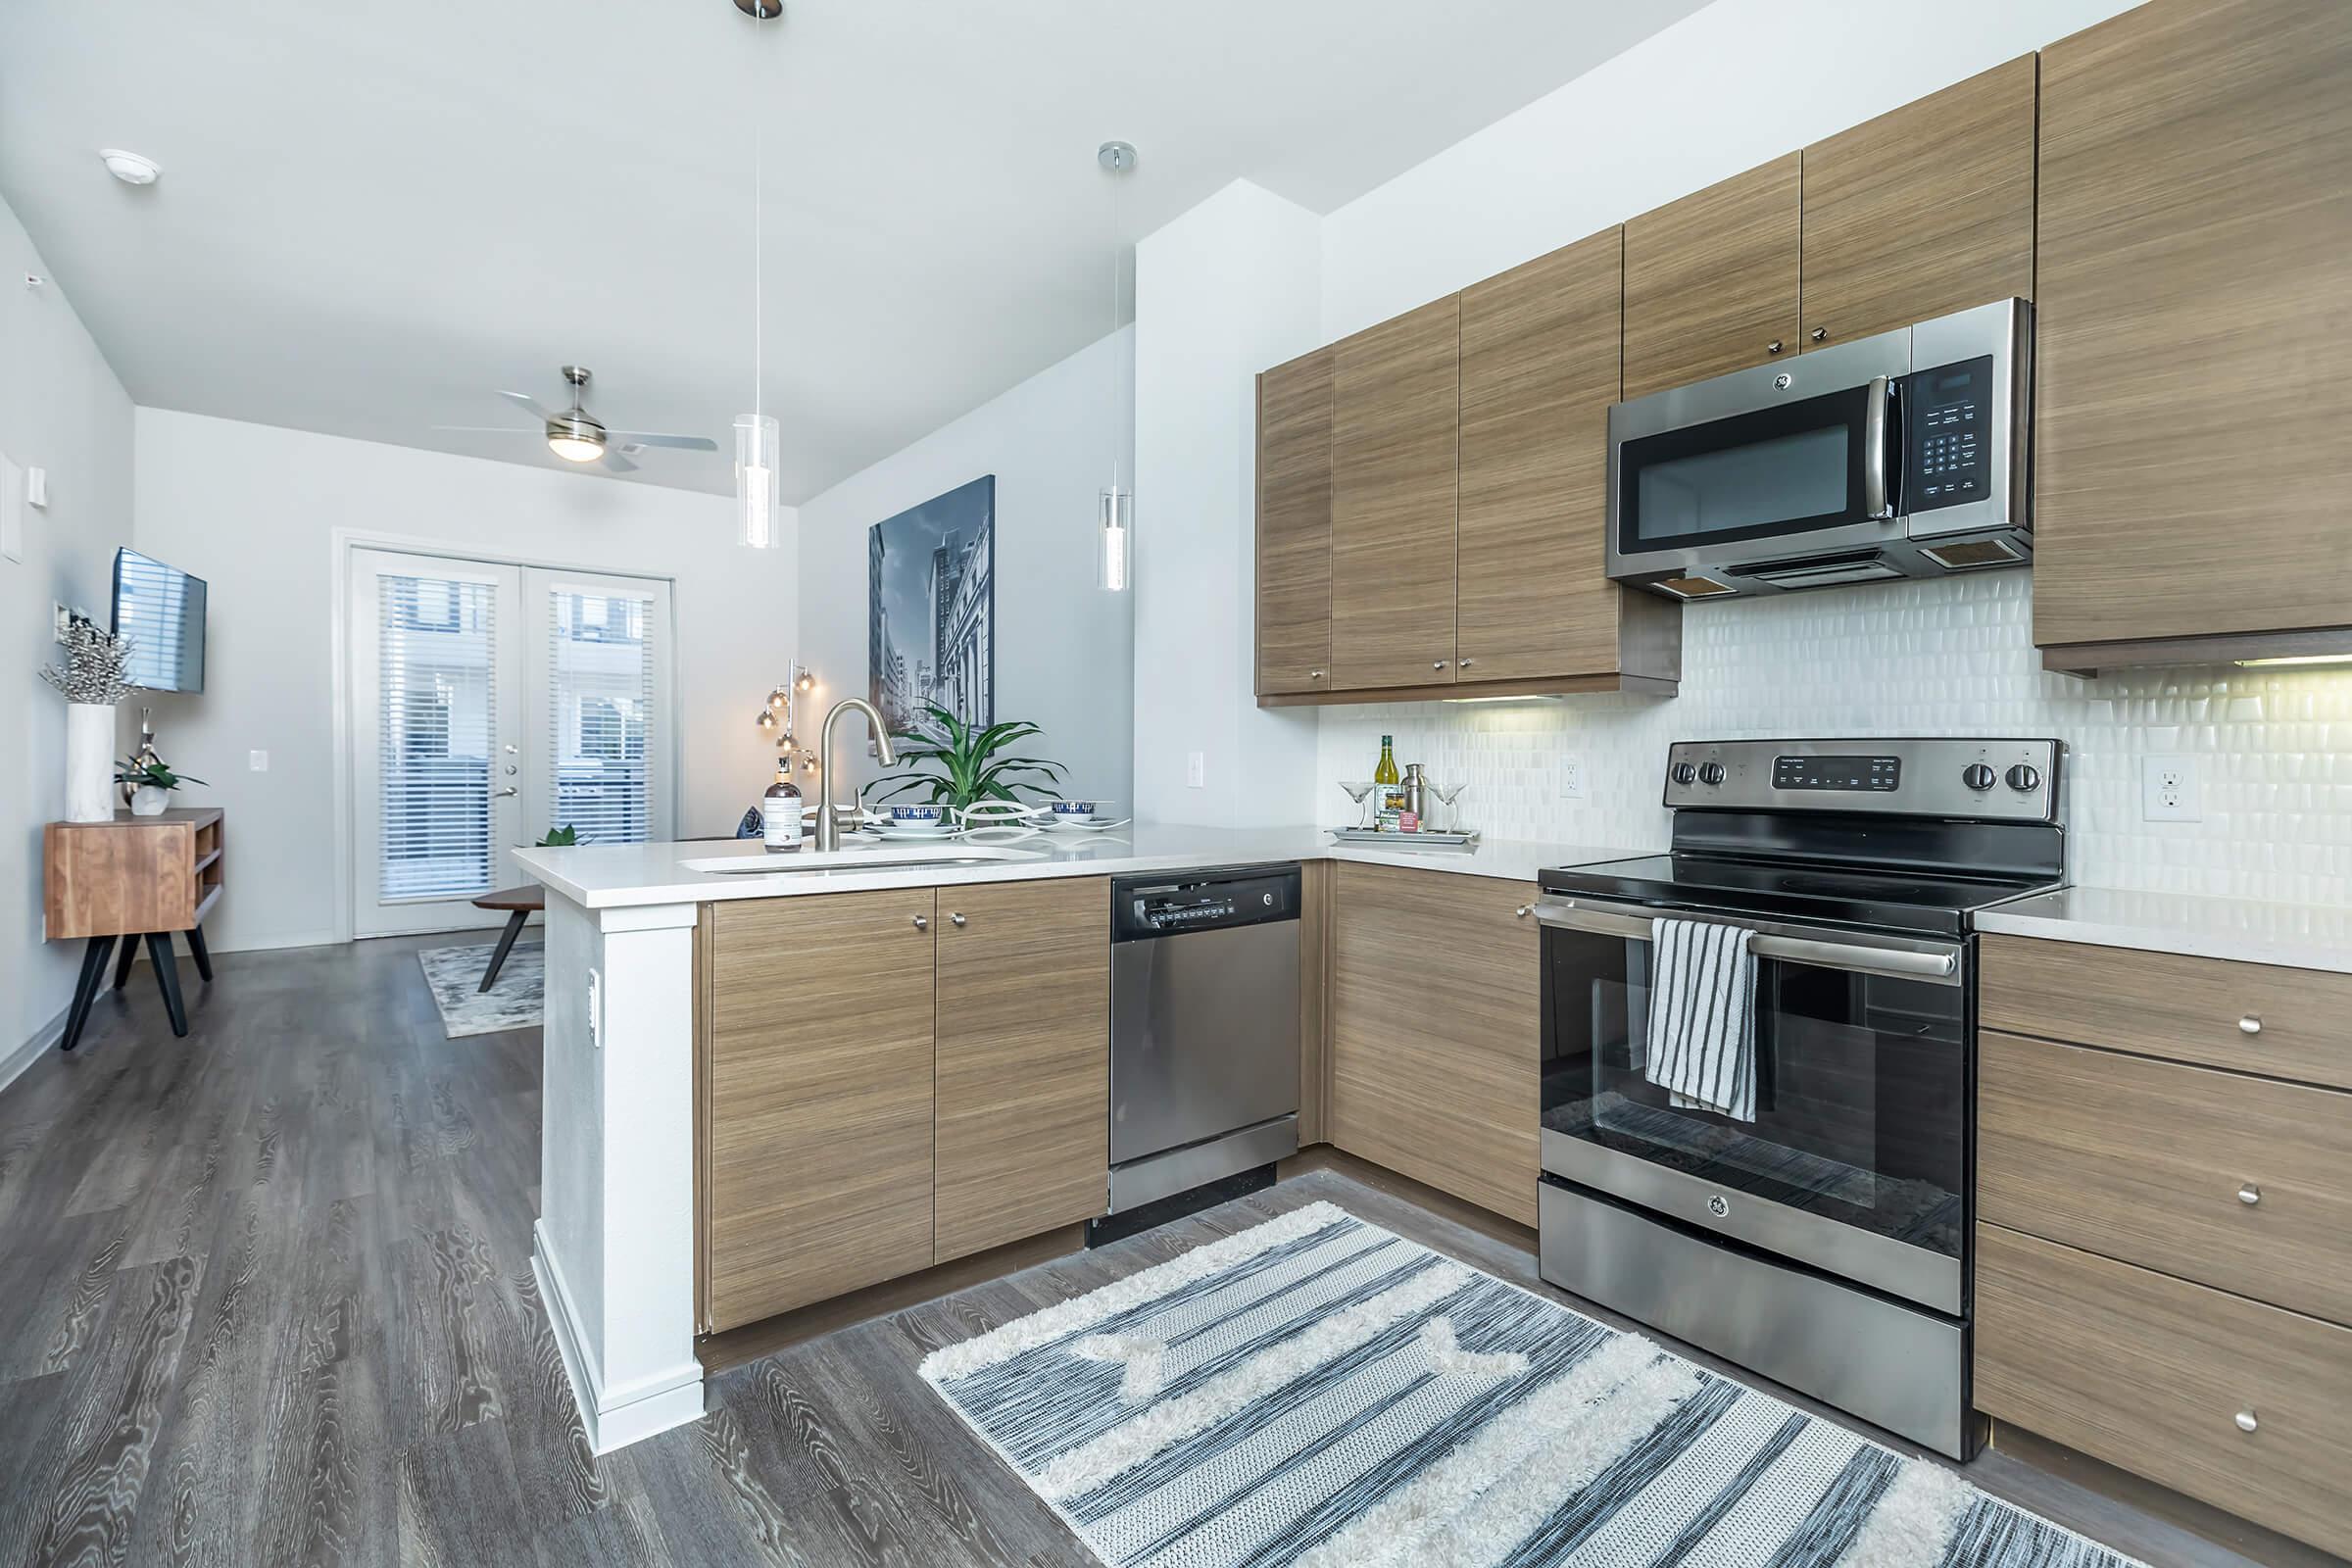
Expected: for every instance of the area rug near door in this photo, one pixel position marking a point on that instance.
(454, 975)
(1318, 1392)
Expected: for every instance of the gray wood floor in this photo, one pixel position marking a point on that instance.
(267, 1299)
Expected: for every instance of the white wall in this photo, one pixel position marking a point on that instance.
(61, 409)
(255, 510)
(1225, 290)
(1064, 649)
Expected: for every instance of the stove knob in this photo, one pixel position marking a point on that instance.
(1685, 773)
(1977, 776)
(1712, 773)
(2025, 779)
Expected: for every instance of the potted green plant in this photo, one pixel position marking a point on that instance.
(955, 765)
(150, 782)
(560, 838)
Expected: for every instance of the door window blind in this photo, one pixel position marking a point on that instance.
(599, 703)
(436, 663)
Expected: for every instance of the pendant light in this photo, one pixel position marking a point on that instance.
(1114, 522)
(755, 440)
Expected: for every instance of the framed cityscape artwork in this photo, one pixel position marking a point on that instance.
(931, 608)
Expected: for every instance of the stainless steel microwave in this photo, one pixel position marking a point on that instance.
(1902, 454)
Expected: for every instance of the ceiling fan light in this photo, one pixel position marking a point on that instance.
(574, 448)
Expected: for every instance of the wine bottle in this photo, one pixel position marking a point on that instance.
(780, 810)
(1386, 772)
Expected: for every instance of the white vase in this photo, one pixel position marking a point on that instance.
(89, 763)
(149, 800)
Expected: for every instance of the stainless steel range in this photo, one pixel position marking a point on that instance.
(1825, 1242)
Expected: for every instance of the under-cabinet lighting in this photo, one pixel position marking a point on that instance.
(1532, 696)
(2295, 659)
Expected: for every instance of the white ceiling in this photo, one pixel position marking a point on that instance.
(371, 216)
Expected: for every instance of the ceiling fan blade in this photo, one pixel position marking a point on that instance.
(618, 463)
(487, 429)
(525, 401)
(654, 438)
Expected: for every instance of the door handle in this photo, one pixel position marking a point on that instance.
(500, 794)
(1874, 450)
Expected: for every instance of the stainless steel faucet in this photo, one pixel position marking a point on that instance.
(828, 836)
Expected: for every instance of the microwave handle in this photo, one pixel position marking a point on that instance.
(1874, 450)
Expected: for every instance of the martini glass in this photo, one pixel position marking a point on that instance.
(1358, 790)
(1447, 795)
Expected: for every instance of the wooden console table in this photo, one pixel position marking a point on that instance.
(135, 876)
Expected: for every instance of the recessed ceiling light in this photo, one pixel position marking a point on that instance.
(130, 168)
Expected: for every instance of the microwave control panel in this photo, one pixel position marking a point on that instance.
(1946, 435)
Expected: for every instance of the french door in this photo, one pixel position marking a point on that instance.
(490, 703)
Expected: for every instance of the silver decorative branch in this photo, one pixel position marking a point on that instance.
(95, 667)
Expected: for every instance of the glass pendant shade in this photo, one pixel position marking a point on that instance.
(756, 478)
(1114, 547)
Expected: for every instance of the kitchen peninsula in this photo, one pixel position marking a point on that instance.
(837, 954)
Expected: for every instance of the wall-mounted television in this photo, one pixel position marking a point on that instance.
(161, 609)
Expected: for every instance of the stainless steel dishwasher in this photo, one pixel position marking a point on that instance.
(1204, 1028)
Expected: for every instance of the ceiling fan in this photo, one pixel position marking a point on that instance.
(577, 436)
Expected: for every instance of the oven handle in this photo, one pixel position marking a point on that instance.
(1934, 964)
(1874, 450)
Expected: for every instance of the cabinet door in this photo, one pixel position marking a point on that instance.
(817, 1112)
(2194, 323)
(1294, 526)
(1711, 280)
(1023, 1070)
(1922, 212)
(1435, 1033)
(1395, 476)
(1539, 360)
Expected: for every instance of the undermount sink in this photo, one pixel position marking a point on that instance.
(894, 858)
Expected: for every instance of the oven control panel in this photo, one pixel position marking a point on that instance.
(1947, 453)
(1972, 779)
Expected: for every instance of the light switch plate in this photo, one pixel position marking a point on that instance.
(596, 1009)
(37, 487)
(2167, 790)
(257, 761)
(1196, 769)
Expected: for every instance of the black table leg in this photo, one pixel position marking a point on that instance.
(166, 975)
(202, 954)
(131, 951)
(86, 990)
(506, 945)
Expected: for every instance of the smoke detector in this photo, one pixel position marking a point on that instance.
(130, 168)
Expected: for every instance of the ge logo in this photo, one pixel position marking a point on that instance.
(1783, 381)
(1719, 1205)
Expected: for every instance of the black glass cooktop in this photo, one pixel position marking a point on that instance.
(1936, 903)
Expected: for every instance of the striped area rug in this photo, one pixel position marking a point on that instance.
(1316, 1391)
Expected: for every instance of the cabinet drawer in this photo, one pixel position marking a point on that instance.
(2154, 1374)
(2151, 1163)
(2253, 1017)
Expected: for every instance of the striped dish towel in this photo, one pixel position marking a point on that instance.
(1703, 1036)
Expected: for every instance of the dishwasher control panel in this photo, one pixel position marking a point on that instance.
(1144, 907)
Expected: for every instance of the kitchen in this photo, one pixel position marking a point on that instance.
(1982, 860)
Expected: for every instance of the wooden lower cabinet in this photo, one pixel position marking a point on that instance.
(816, 1105)
(1022, 1061)
(2235, 1404)
(1435, 1031)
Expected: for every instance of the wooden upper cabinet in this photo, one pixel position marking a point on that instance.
(1922, 212)
(1396, 427)
(2194, 331)
(1294, 526)
(1539, 370)
(1024, 1073)
(1436, 1034)
(815, 1098)
(1711, 280)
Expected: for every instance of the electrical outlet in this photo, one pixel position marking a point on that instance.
(2167, 789)
(1572, 778)
(596, 1011)
(62, 622)
(1196, 769)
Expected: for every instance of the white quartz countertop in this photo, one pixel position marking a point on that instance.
(622, 875)
(2296, 936)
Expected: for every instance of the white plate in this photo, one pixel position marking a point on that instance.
(913, 835)
(1095, 825)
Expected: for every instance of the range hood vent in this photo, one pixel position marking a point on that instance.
(1822, 571)
(1973, 555)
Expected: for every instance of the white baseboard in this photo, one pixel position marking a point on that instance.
(616, 1417)
(45, 1037)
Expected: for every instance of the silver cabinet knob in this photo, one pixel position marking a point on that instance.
(1773, 347)
(1820, 333)
(1524, 910)
(1437, 664)
(1467, 662)
(922, 922)
(956, 919)
(1314, 674)
(2250, 1194)
(2249, 1025)
(2247, 1421)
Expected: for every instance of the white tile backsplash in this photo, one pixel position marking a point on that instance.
(2273, 748)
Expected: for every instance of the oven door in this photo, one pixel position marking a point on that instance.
(1856, 1163)
(1778, 464)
